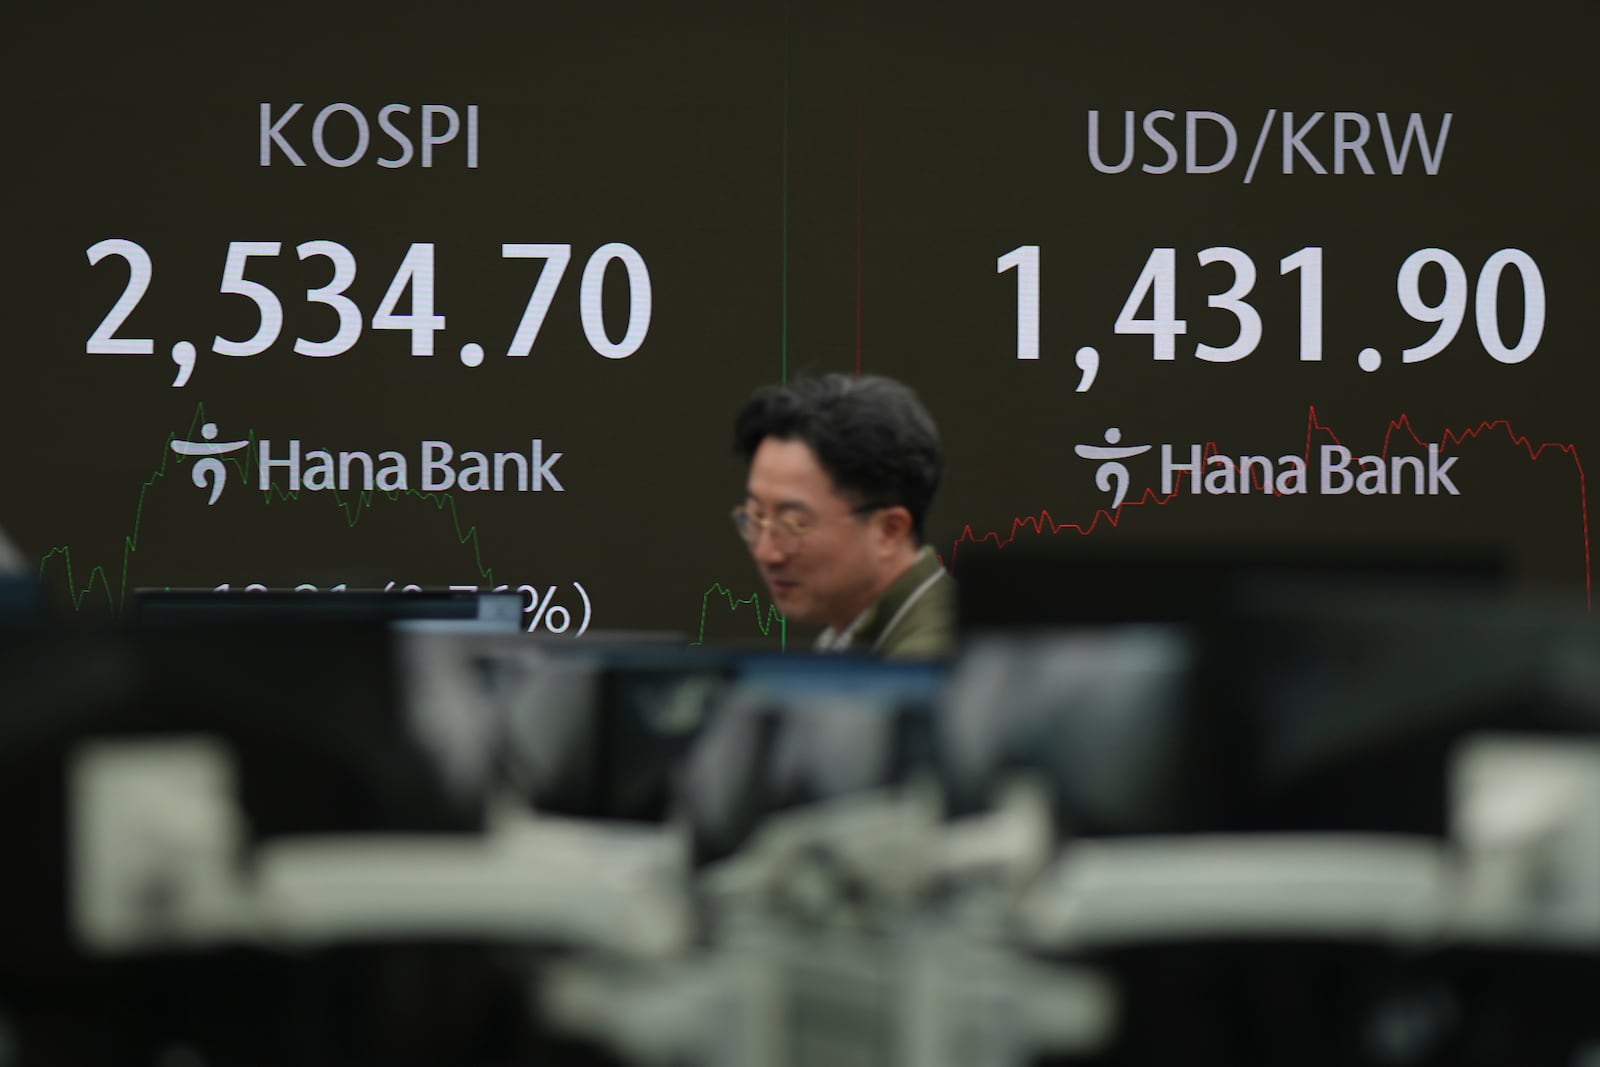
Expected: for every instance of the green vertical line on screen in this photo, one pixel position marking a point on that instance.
(783, 340)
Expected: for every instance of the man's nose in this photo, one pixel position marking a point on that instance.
(765, 547)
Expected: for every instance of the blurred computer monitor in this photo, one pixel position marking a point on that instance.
(308, 715)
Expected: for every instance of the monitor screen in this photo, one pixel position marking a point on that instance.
(356, 294)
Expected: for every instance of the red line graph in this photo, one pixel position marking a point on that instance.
(1043, 522)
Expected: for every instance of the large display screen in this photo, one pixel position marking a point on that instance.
(400, 295)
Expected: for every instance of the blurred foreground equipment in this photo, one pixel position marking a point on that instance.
(1364, 833)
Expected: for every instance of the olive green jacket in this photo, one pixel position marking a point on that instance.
(915, 618)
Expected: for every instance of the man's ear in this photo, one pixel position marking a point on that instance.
(894, 524)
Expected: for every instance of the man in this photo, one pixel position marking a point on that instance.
(841, 474)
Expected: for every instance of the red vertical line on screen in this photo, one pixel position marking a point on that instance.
(783, 621)
(860, 156)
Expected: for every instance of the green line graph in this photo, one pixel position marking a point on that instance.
(766, 621)
(354, 506)
(112, 580)
(770, 619)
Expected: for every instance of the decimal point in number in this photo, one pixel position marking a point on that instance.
(1370, 359)
(1088, 360)
(471, 354)
(183, 357)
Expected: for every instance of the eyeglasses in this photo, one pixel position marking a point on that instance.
(787, 527)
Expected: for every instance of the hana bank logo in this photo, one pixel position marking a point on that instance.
(208, 469)
(1112, 474)
(436, 466)
(1331, 470)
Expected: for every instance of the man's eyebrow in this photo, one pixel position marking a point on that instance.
(782, 505)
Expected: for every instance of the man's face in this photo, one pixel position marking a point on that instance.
(833, 571)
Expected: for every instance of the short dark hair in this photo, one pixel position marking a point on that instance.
(871, 435)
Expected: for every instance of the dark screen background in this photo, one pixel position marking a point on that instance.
(821, 187)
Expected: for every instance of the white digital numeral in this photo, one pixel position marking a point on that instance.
(332, 294)
(1232, 301)
(415, 271)
(639, 301)
(266, 301)
(1025, 260)
(1488, 305)
(1158, 281)
(1308, 261)
(104, 341)
(556, 258)
(1448, 312)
